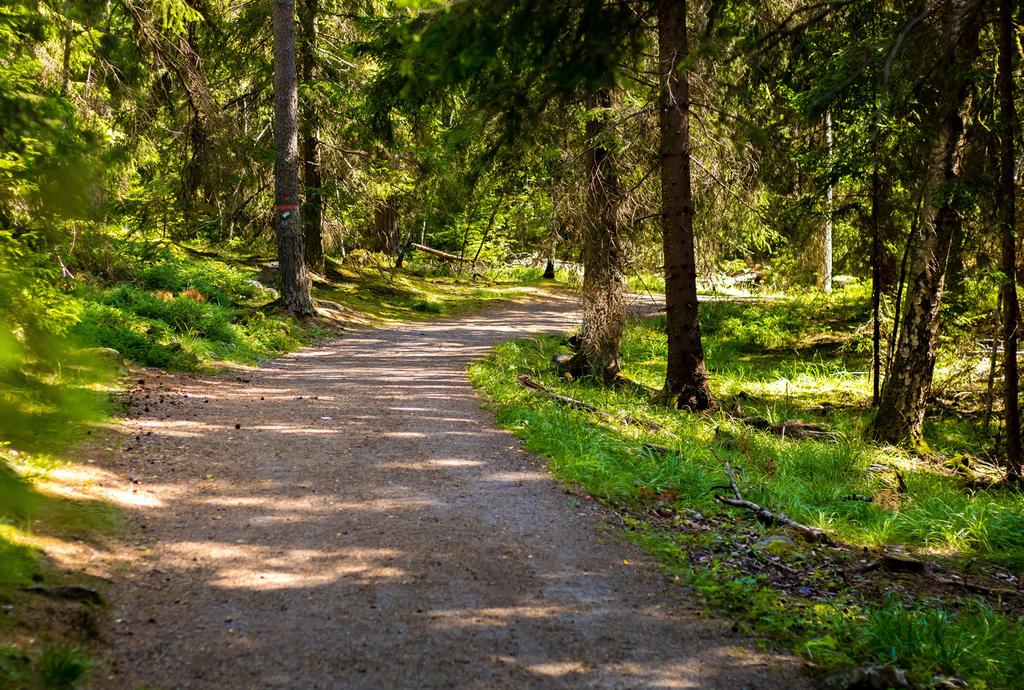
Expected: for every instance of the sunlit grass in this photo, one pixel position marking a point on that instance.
(382, 297)
(187, 312)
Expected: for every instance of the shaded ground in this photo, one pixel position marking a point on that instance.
(349, 517)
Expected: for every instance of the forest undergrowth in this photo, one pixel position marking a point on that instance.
(182, 308)
(923, 577)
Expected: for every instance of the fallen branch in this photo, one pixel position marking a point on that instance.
(792, 428)
(767, 517)
(527, 382)
(438, 253)
(975, 586)
(898, 563)
(912, 566)
(732, 479)
(67, 593)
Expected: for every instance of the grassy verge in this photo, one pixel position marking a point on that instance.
(782, 360)
(377, 294)
(45, 408)
(163, 306)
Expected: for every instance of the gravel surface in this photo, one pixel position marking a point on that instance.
(349, 517)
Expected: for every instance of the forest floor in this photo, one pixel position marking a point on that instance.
(349, 516)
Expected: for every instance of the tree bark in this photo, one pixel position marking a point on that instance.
(876, 276)
(826, 263)
(295, 286)
(312, 208)
(603, 306)
(487, 230)
(385, 224)
(1007, 221)
(686, 378)
(904, 396)
(65, 72)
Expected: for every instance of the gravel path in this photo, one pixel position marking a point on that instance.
(349, 517)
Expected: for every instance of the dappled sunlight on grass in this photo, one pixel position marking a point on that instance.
(384, 296)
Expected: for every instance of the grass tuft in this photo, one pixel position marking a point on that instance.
(50, 667)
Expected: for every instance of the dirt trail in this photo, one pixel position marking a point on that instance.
(368, 526)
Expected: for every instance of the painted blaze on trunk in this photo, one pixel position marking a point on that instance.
(295, 288)
(686, 378)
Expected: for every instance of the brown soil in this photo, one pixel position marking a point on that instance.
(349, 517)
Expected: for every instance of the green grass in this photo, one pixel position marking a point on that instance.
(25, 514)
(51, 396)
(379, 296)
(164, 307)
(644, 282)
(973, 643)
(781, 359)
(184, 313)
(49, 667)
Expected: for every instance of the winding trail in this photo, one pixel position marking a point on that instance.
(369, 526)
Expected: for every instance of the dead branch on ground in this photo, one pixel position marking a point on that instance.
(527, 382)
(768, 517)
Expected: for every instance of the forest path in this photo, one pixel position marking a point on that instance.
(369, 526)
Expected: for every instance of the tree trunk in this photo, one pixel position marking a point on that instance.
(901, 284)
(826, 264)
(312, 208)
(487, 230)
(904, 396)
(876, 277)
(65, 72)
(686, 378)
(553, 235)
(385, 224)
(295, 287)
(603, 306)
(1007, 222)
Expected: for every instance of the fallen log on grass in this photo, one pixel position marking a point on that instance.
(444, 256)
(976, 587)
(527, 382)
(768, 517)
